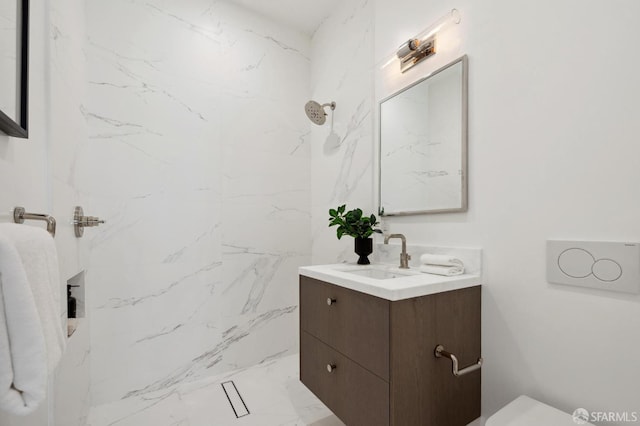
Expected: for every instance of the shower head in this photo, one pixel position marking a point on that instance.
(316, 113)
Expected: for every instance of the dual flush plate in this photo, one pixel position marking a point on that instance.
(612, 266)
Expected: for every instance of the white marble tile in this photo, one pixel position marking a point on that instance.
(342, 150)
(171, 226)
(256, 282)
(198, 158)
(72, 396)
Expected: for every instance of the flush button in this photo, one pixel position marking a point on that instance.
(603, 265)
(607, 270)
(576, 262)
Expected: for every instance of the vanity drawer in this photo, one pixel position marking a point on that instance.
(356, 324)
(354, 394)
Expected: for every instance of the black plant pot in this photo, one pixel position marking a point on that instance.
(363, 248)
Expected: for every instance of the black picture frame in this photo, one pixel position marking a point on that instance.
(19, 128)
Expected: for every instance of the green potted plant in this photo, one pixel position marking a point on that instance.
(356, 225)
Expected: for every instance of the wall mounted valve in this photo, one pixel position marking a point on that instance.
(80, 221)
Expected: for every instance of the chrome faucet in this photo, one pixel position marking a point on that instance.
(404, 257)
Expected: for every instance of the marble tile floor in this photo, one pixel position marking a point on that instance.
(271, 391)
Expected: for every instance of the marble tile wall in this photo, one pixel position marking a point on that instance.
(67, 132)
(342, 154)
(198, 158)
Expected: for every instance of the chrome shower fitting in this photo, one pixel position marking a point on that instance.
(316, 113)
(80, 221)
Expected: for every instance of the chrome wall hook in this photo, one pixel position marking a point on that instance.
(80, 221)
(439, 352)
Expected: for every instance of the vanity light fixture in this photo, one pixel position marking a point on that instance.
(423, 45)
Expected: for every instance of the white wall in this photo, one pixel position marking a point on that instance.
(553, 123)
(341, 156)
(198, 160)
(23, 169)
(553, 120)
(37, 174)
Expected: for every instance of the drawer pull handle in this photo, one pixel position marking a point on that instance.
(331, 367)
(441, 353)
(331, 301)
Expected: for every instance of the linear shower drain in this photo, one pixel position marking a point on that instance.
(235, 399)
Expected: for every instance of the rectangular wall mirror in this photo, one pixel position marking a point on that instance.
(14, 61)
(423, 145)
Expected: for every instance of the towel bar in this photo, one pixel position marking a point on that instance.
(20, 215)
(441, 353)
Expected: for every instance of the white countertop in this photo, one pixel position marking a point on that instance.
(399, 288)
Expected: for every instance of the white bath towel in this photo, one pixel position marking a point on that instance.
(440, 260)
(37, 251)
(448, 271)
(23, 365)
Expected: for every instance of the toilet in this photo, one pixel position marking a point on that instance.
(525, 411)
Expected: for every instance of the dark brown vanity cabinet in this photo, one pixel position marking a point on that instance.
(371, 360)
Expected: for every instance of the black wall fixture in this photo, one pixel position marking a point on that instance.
(18, 126)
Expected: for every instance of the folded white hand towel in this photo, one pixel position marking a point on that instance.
(23, 366)
(37, 251)
(440, 259)
(448, 271)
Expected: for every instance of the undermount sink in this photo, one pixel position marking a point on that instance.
(376, 271)
(380, 274)
(387, 281)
